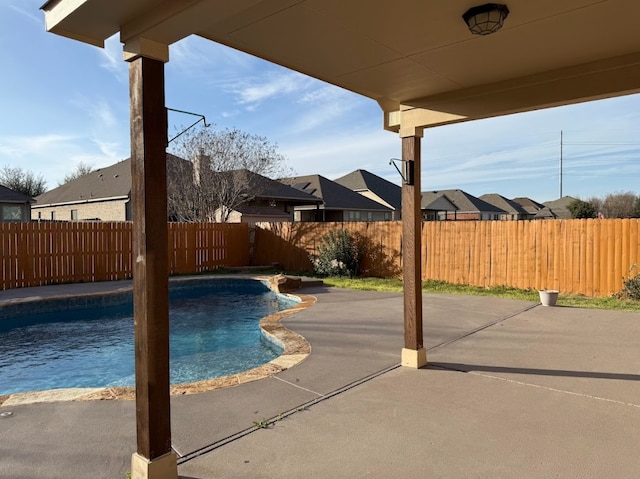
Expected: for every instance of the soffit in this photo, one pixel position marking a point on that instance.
(414, 52)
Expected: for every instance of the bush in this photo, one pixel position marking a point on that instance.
(631, 287)
(338, 255)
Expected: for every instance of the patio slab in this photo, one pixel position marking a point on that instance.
(514, 390)
(444, 424)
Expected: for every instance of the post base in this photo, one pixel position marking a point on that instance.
(163, 467)
(412, 358)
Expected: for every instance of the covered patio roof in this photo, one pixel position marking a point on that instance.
(417, 59)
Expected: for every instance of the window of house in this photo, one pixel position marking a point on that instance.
(387, 216)
(354, 216)
(369, 216)
(11, 213)
(496, 217)
(74, 215)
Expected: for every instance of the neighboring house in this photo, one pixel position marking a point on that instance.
(544, 213)
(338, 202)
(105, 195)
(375, 188)
(271, 201)
(558, 208)
(530, 206)
(101, 195)
(14, 206)
(436, 206)
(465, 206)
(512, 210)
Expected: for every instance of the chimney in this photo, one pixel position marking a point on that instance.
(200, 162)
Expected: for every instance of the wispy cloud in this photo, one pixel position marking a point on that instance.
(196, 56)
(345, 152)
(112, 59)
(322, 105)
(20, 147)
(274, 84)
(31, 15)
(98, 110)
(111, 150)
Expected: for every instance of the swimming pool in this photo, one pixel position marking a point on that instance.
(88, 342)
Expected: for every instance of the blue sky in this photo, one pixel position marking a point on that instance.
(64, 102)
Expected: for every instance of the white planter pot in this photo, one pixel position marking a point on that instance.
(548, 297)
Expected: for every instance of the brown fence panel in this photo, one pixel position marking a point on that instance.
(200, 247)
(590, 257)
(35, 254)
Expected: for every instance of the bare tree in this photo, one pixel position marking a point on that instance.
(619, 205)
(217, 176)
(597, 203)
(81, 169)
(22, 181)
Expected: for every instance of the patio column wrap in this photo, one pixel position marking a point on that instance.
(150, 256)
(413, 353)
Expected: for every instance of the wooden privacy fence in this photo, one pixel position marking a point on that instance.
(590, 257)
(35, 254)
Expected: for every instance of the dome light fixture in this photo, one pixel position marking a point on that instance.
(486, 19)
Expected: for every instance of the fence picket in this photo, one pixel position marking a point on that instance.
(590, 257)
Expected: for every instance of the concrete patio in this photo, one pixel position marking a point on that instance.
(513, 390)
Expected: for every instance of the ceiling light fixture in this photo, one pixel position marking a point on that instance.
(486, 19)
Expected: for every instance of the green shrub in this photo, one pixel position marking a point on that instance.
(631, 287)
(338, 255)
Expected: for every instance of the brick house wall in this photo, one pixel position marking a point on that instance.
(105, 210)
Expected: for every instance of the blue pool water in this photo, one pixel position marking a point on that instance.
(214, 332)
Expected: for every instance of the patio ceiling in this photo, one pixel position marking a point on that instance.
(416, 58)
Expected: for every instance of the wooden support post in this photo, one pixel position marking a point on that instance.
(413, 353)
(150, 268)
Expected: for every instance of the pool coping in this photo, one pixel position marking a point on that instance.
(296, 349)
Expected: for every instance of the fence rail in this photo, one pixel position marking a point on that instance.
(590, 257)
(34, 254)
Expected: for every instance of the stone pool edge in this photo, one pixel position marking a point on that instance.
(296, 350)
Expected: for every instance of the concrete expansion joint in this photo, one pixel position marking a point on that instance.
(297, 386)
(302, 407)
(532, 385)
(483, 327)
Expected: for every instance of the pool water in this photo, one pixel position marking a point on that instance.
(213, 327)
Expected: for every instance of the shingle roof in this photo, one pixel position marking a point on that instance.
(436, 201)
(544, 213)
(109, 182)
(463, 201)
(530, 206)
(8, 195)
(559, 207)
(503, 203)
(271, 189)
(115, 181)
(362, 180)
(333, 195)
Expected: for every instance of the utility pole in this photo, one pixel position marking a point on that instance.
(560, 163)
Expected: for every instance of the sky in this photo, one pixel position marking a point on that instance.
(65, 102)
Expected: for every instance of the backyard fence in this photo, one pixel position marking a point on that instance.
(35, 254)
(591, 257)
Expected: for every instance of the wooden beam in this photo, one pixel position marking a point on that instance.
(150, 254)
(413, 353)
